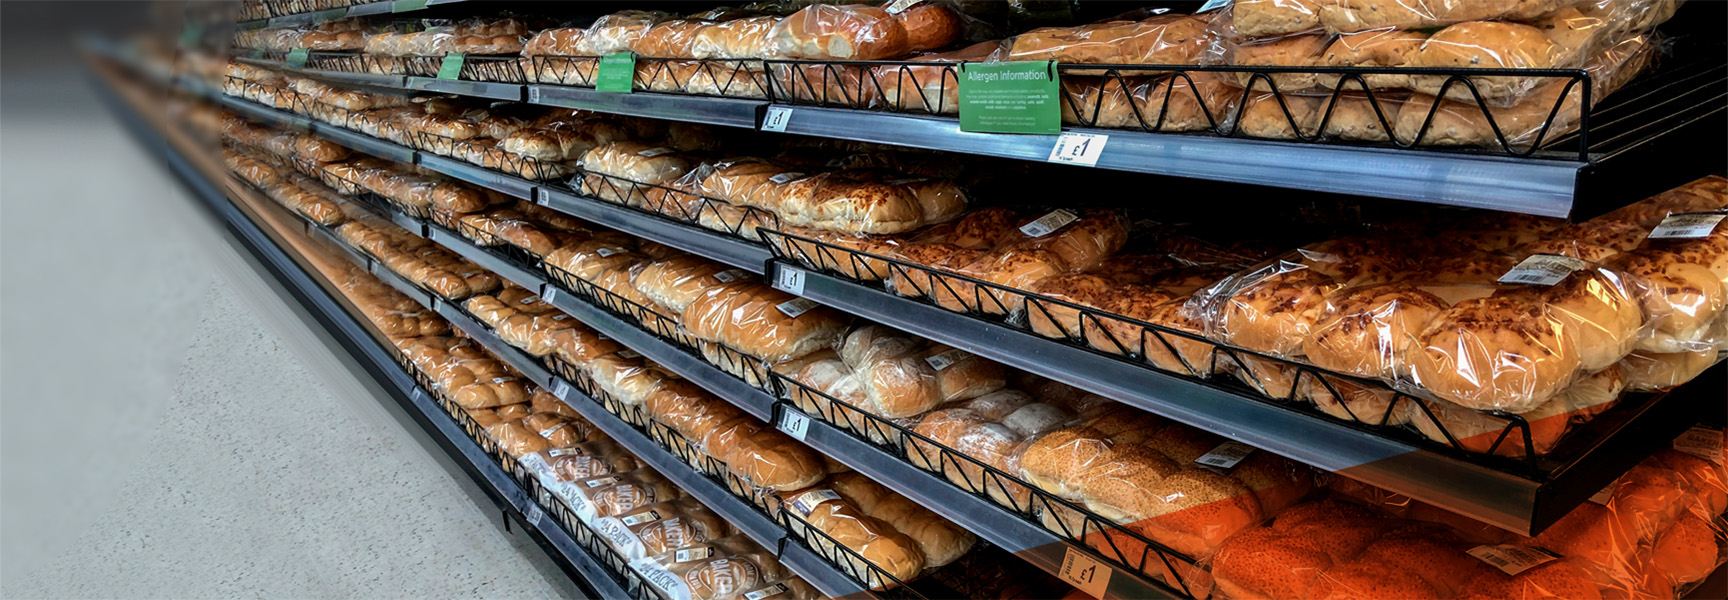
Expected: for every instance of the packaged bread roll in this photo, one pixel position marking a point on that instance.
(762, 322)
(932, 89)
(851, 32)
(1685, 299)
(873, 548)
(1497, 353)
(1161, 40)
(941, 541)
(1362, 15)
(742, 38)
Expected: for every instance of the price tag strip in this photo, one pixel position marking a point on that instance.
(1078, 149)
(1086, 573)
(789, 279)
(777, 118)
(794, 423)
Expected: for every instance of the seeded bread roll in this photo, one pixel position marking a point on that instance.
(1498, 353)
(1055, 461)
(1686, 299)
(1264, 18)
(1274, 311)
(1362, 15)
(1599, 311)
(1485, 44)
(1365, 331)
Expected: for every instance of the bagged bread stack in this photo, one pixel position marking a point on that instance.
(762, 322)
(1608, 38)
(721, 569)
(990, 430)
(894, 376)
(624, 172)
(870, 530)
(1059, 242)
(521, 319)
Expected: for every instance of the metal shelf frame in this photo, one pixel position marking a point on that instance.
(377, 7)
(1493, 496)
(375, 357)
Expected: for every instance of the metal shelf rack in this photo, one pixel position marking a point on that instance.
(1510, 500)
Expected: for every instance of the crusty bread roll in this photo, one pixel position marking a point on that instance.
(1497, 353)
(1374, 48)
(742, 38)
(930, 26)
(1274, 310)
(941, 541)
(1598, 310)
(511, 412)
(1485, 44)
(852, 32)
(1289, 51)
(1362, 15)
(773, 460)
(1366, 330)
(762, 322)
(676, 282)
(1165, 39)
(516, 439)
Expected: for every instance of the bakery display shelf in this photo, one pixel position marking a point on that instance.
(364, 143)
(660, 228)
(292, 13)
(266, 115)
(480, 176)
(733, 112)
(479, 89)
(328, 67)
(1491, 489)
(506, 267)
(338, 319)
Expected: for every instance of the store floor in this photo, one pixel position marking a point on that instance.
(168, 428)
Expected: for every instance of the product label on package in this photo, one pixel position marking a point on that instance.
(609, 252)
(628, 353)
(619, 534)
(1226, 455)
(1701, 441)
(653, 152)
(547, 433)
(616, 72)
(640, 518)
(693, 554)
(796, 307)
(535, 464)
(899, 6)
(1049, 223)
(1542, 269)
(666, 581)
(600, 481)
(1512, 559)
(1687, 225)
(579, 504)
(1010, 97)
(806, 502)
(947, 359)
(785, 177)
(770, 591)
(731, 275)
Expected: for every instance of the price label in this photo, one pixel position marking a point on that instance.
(534, 97)
(561, 389)
(794, 423)
(297, 58)
(1213, 5)
(407, 5)
(452, 66)
(1226, 455)
(550, 295)
(1542, 269)
(777, 118)
(1078, 148)
(789, 279)
(616, 73)
(533, 514)
(1687, 226)
(1510, 559)
(1081, 571)
(899, 6)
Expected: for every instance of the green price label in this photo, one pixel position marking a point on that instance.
(297, 58)
(452, 67)
(407, 5)
(617, 71)
(1010, 97)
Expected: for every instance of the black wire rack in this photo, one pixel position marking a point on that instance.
(731, 360)
(710, 77)
(1103, 537)
(488, 153)
(679, 205)
(1197, 99)
(1366, 404)
(502, 68)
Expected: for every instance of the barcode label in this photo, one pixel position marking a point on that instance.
(693, 554)
(640, 518)
(551, 430)
(1226, 455)
(1049, 223)
(1687, 226)
(900, 6)
(533, 515)
(1512, 559)
(731, 275)
(796, 307)
(608, 252)
(773, 590)
(1542, 269)
(600, 481)
(785, 177)
(628, 353)
(807, 502)
(1213, 5)
(789, 279)
(561, 388)
(947, 359)
(1701, 441)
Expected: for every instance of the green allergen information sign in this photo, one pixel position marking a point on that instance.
(617, 72)
(1010, 97)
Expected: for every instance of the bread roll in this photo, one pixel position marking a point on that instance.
(516, 439)
(1262, 18)
(1056, 461)
(1706, 479)
(1362, 15)
(1268, 563)
(1367, 330)
(853, 32)
(930, 26)
(1485, 44)
(1647, 371)
(1165, 39)
(1555, 579)
(940, 541)
(742, 38)
(762, 322)
(1274, 310)
(1499, 353)
(775, 461)
(1686, 298)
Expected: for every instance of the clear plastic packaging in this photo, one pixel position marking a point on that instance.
(849, 32)
(763, 322)
(616, 32)
(1160, 40)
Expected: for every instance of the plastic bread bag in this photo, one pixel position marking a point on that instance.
(1060, 241)
(770, 459)
(1188, 101)
(669, 39)
(791, 588)
(721, 570)
(1160, 40)
(1267, 18)
(615, 168)
(940, 541)
(615, 32)
(852, 539)
(868, 201)
(1687, 298)
(849, 32)
(946, 247)
(932, 89)
(763, 322)
(735, 39)
(1362, 15)
(1528, 120)
(676, 282)
(902, 376)
(747, 181)
(1350, 116)
(629, 532)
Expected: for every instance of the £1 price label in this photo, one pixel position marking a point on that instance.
(1078, 148)
(790, 280)
(533, 514)
(795, 424)
(1083, 572)
(777, 118)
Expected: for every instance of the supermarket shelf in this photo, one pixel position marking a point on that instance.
(696, 109)
(394, 84)
(375, 357)
(695, 240)
(1499, 497)
(266, 115)
(990, 521)
(478, 89)
(381, 7)
(480, 176)
(532, 280)
(365, 143)
(1533, 186)
(689, 366)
